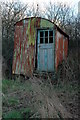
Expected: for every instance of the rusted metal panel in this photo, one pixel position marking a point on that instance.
(17, 49)
(23, 48)
(24, 44)
(61, 48)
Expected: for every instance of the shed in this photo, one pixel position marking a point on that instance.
(39, 45)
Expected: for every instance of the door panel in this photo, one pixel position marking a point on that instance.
(50, 59)
(41, 59)
(45, 47)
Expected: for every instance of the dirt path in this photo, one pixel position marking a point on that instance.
(50, 106)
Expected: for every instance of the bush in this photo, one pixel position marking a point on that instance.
(68, 70)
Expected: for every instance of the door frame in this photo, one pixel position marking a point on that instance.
(45, 29)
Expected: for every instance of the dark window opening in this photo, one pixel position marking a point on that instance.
(41, 37)
(46, 33)
(41, 34)
(50, 36)
(50, 33)
(50, 39)
(46, 36)
(41, 40)
(46, 40)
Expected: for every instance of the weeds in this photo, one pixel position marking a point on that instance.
(26, 112)
(12, 114)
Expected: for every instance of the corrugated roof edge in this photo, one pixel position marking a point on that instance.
(58, 28)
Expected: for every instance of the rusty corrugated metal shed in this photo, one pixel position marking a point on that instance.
(38, 43)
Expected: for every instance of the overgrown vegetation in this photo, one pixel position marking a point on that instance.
(33, 99)
(68, 82)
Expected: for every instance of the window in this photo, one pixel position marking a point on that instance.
(46, 36)
(41, 37)
(50, 36)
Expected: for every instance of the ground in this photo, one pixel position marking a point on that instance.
(38, 98)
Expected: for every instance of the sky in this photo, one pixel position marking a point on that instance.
(71, 3)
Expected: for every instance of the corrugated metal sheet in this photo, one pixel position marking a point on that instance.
(61, 48)
(24, 47)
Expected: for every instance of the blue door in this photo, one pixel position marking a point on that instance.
(45, 48)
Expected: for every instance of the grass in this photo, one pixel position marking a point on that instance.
(13, 101)
(11, 85)
(12, 114)
(6, 84)
(67, 88)
(12, 92)
(26, 112)
(23, 113)
(10, 101)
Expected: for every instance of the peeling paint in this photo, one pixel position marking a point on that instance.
(46, 24)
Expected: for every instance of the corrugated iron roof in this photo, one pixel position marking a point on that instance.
(58, 28)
